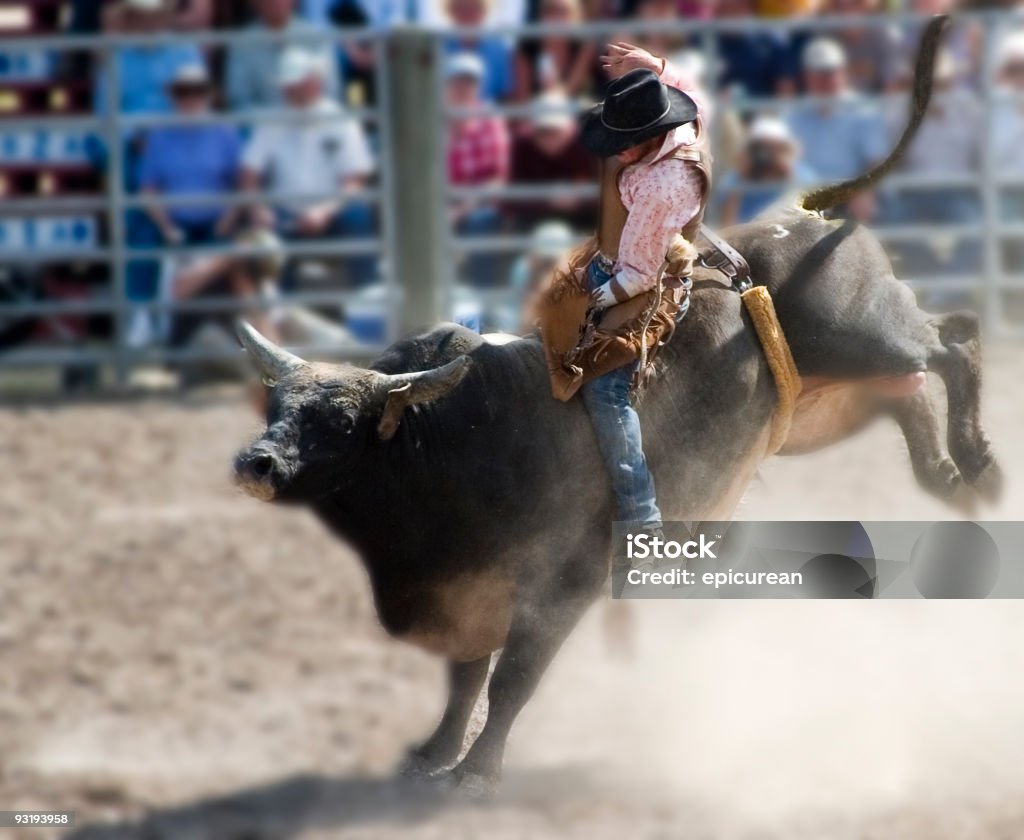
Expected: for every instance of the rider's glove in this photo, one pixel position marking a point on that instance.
(603, 296)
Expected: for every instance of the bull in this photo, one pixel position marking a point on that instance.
(480, 505)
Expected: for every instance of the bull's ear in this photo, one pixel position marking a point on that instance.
(408, 389)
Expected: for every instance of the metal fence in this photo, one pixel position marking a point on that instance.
(418, 248)
(112, 128)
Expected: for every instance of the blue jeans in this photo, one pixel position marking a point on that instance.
(617, 427)
(356, 220)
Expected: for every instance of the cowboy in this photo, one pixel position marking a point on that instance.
(656, 176)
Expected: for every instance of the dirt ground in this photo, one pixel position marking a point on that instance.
(180, 662)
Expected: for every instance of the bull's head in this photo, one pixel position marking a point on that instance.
(320, 415)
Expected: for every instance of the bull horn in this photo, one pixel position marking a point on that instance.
(406, 389)
(271, 361)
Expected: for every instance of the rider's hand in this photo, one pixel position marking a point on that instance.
(623, 57)
(602, 297)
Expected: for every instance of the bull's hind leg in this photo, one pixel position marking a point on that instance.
(465, 679)
(933, 468)
(958, 362)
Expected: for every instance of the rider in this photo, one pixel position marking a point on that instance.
(656, 176)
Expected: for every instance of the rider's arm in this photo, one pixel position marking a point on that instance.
(660, 205)
(673, 76)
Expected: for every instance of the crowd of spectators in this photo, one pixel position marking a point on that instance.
(794, 104)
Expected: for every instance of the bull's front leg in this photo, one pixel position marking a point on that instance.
(541, 623)
(440, 750)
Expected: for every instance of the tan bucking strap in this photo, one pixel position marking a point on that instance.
(780, 359)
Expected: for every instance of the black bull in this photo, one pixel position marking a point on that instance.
(480, 505)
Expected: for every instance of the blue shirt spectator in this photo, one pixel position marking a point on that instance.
(842, 140)
(769, 168)
(145, 75)
(760, 63)
(496, 55)
(189, 159)
(192, 159)
(252, 68)
(378, 13)
(843, 137)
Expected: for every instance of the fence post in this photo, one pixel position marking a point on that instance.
(114, 135)
(417, 181)
(991, 306)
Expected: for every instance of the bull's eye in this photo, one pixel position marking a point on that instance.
(347, 422)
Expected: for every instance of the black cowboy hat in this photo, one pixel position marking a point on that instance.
(636, 108)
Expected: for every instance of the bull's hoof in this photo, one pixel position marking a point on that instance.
(989, 484)
(475, 786)
(416, 767)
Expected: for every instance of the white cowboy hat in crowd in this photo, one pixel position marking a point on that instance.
(1011, 49)
(550, 240)
(824, 54)
(464, 64)
(144, 5)
(192, 75)
(552, 111)
(296, 65)
(769, 129)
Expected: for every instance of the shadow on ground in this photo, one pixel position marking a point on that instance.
(292, 806)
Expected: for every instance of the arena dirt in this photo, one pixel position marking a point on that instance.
(177, 661)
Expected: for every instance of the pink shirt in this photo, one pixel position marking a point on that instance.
(661, 198)
(478, 151)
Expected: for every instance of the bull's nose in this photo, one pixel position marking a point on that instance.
(255, 471)
(261, 464)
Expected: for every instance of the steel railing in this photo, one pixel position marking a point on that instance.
(991, 229)
(112, 126)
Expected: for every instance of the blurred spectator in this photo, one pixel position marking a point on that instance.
(550, 241)
(360, 58)
(697, 9)
(769, 168)
(495, 54)
(478, 152)
(496, 13)
(947, 144)
(1007, 138)
(668, 41)
(963, 40)
(842, 136)
(246, 277)
(876, 60)
(787, 8)
(252, 68)
(599, 10)
(185, 159)
(556, 61)
(757, 62)
(85, 17)
(548, 151)
(325, 152)
(378, 14)
(145, 71)
(177, 14)
(1008, 112)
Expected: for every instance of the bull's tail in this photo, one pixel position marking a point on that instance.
(830, 196)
